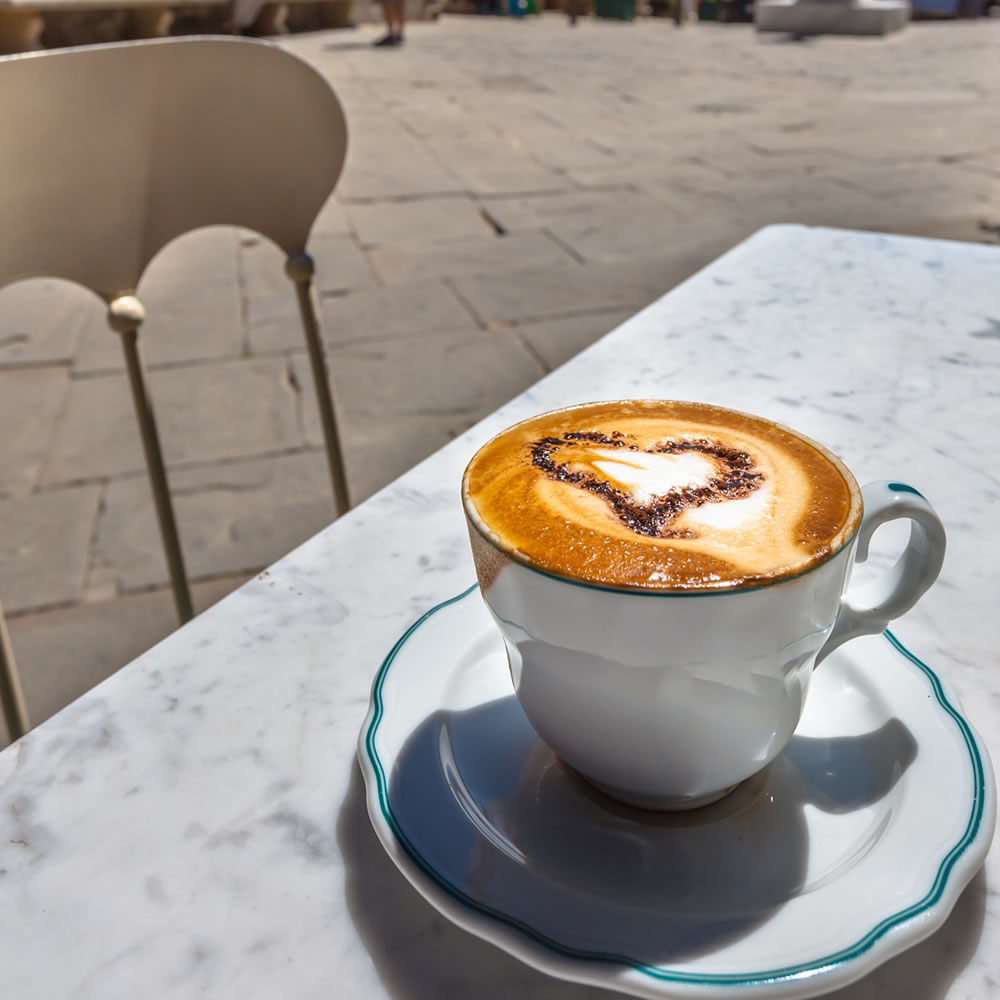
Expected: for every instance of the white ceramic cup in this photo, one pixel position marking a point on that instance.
(669, 700)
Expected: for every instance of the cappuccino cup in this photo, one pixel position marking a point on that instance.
(666, 575)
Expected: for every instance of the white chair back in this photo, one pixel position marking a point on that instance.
(108, 152)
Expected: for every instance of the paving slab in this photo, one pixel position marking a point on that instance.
(488, 165)
(332, 220)
(377, 452)
(44, 546)
(807, 200)
(62, 654)
(915, 179)
(445, 373)
(373, 123)
(450, 122)
(385, 166)
(272, 311)
(30, 401)
(340, 267)
(582, 208)
(878, 183)
(427, 220)
(405, 397)
(233, 518)
(969, 229)
(928, 212)
(555, 341)
(634, 230)
(559, 149)
(191, 293)
(228, 514)
(204, 413)
(428, 105)
(398, 263)
(908, 145)
(41, 320)
(365, 315)
(560, 291)
(987, 164)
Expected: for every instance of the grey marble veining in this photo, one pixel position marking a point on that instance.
(196, 824)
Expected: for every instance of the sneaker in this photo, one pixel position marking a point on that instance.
(386, 41)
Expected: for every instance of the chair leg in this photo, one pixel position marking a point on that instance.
(300, 268)
(15, 711)
(125, 315)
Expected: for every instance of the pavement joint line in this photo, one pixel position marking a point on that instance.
(245, 575)
(980, 169)
(563, 245)
(336, 346)
(542, 192)
(373, 273)
(261, 354)
(379, 340)
(465, 303)
(572, 314)
(291, 380)
(13, 614)
(161, 366)
(440, 411)
(404, 198)
(522, 339)
(598, 311)
(241, 285)
(27, 366)
(493, 223)
(57, 422)
(190, 465)
(89, 564)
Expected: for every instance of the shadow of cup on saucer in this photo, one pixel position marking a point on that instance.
(491, 811)
(420, 955)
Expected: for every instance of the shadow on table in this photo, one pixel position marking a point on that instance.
(421, 956)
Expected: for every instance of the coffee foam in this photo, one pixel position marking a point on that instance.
(661, 495)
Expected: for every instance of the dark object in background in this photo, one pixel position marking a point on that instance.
(931, 10)
(615, 10)
(726, 11)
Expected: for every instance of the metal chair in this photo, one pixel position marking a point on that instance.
(109, 152)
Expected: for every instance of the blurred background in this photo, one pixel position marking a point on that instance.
(515, 187)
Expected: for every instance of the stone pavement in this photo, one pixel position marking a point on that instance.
(514, 189)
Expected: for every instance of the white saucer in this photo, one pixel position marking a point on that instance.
(851, 847)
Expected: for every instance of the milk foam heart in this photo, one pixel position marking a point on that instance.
(661, 495)
(649, 475)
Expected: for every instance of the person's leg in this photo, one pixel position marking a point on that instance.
(388, 15)
(398, 13)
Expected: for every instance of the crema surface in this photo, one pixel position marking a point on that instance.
(661, 495)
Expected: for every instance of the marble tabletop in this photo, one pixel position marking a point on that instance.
(196, 824)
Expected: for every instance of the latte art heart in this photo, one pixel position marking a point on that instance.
(725, 474)
(658, 495)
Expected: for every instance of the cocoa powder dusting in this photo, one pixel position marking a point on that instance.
(735, 480)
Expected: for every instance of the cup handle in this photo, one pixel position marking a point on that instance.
(871, 608)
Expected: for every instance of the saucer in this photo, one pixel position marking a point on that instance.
(849, 848)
